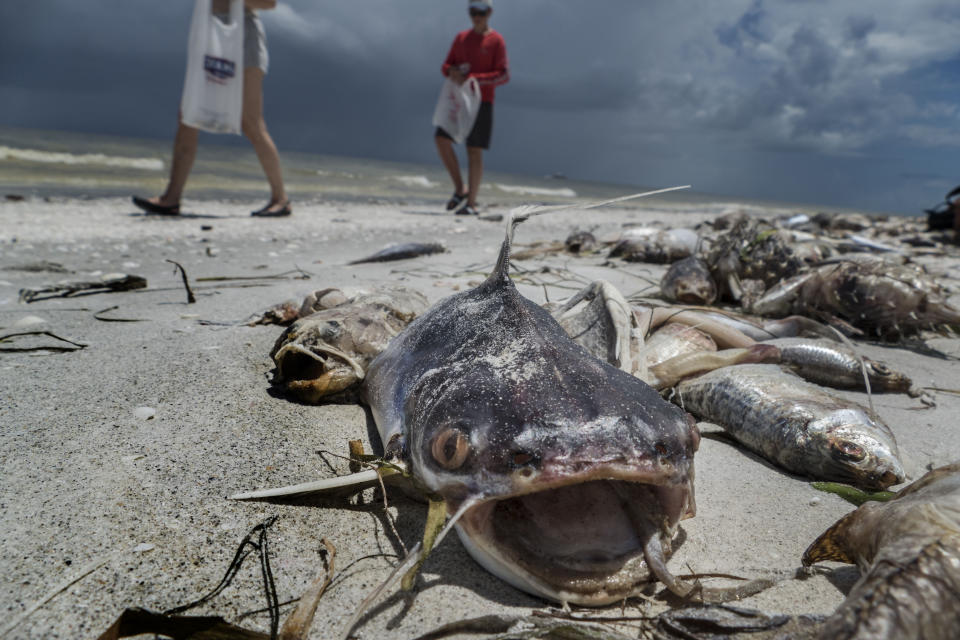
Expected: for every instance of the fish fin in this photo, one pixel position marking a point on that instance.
(436, 516)
(517, 215)
(831, 545)
(339, 485)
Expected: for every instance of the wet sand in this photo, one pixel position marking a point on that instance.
(88, 483)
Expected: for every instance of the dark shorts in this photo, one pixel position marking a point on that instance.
(482, 128)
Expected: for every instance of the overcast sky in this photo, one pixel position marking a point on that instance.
(835, 102)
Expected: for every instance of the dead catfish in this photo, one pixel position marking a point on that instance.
(569, 476)
(795, 424)
(908, 550)
(328, 351)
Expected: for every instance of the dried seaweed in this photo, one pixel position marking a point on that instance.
(119, 282)
(75, 346)
(98, 315)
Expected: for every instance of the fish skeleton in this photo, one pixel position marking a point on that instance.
(571, 475)
(908, 550)
(796, 424)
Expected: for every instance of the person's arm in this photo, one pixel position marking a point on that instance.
(260, 4)
(501, 71)
(451, 64)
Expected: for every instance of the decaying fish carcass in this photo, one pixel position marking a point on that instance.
(689, 281)
(655, 245)
(881, 298)
(908, 550)
(751, 250)
(795, 424)
(328, 351)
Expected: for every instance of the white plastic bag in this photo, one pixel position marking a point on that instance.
(457, 108)
(213, 87)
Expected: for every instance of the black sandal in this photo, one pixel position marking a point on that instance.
(456, 201)
(158, 209)
(265, 212)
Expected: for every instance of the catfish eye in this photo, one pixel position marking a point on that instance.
(849, 450)
(450, 448)
(880, 369)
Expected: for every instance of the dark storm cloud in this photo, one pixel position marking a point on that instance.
(739, 97)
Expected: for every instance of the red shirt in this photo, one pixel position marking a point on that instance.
(487, 56)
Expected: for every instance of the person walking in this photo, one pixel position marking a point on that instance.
(478, 52)
(255, 62)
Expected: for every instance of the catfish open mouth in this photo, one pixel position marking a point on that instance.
(588, 543)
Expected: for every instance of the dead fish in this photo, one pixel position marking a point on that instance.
(796, 424)
(328, 352)
(286, 312)
(668, 373)
(751, 250)
(671, 341)
(600, 319)
(571, 475)
(689, 281)
(908, 550)
(881, 298)
(834, 364)
(655, 245)
(403, 252)
(580, 242)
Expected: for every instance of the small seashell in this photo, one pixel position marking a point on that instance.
(814, 502)
(144, 413)
(144, 546)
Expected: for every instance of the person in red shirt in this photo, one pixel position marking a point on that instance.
(478, 53)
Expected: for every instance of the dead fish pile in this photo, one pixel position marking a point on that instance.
(795, 424)
(908, 550)
(328, 351)
(402, 252)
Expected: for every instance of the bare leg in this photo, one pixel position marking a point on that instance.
(449, 157)
(475, 158)
(255, 128)
(184, 153)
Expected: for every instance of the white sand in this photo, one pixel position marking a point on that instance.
(88, 477)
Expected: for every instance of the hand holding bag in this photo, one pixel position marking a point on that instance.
(213, 86)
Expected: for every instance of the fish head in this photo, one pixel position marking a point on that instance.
(884, 378)
(568, 478)
(688, 281)
(853, 447)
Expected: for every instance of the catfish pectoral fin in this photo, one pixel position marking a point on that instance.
(339, 485)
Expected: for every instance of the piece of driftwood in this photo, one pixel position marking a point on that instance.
(186, 282)
(106, 284)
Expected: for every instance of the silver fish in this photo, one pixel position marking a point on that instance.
(834, 364)
(908, 550)
(402, 252)
(796, 424)
(569, 475)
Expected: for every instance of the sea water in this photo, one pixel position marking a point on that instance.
(38, 163)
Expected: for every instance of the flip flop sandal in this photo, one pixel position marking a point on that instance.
(265, 212)
(467, 211)
(456, 202)
(158, 209)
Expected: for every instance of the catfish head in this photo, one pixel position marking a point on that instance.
(574, 474)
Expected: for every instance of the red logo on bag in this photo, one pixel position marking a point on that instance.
(219, 69)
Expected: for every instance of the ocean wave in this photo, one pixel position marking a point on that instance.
(60, 157)
(415, 181)
(537, 191)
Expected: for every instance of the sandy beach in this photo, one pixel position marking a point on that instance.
(105, 505)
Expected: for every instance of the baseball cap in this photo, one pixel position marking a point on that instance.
(482, 5)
